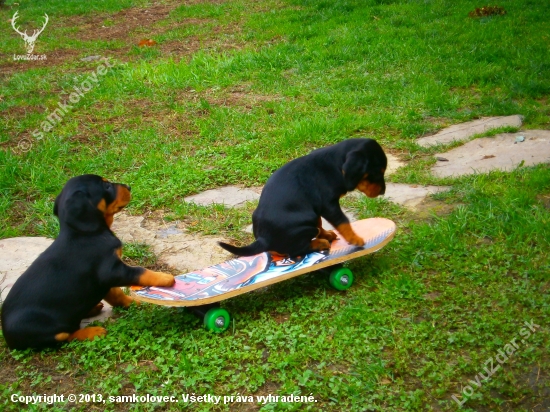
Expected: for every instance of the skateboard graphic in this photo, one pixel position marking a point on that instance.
(201, 288)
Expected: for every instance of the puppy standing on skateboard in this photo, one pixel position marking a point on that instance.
(81, 267)
(288, 218)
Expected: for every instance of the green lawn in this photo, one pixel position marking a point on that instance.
(233, 90)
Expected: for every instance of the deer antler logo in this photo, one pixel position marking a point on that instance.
(29, 40)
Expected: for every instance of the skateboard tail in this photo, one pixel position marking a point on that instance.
(254, 248)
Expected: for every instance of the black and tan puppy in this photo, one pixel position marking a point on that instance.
(288, 218)
(67, 282)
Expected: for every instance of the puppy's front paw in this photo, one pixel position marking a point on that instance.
(356, 240)
(351, 237)
(116, 297)
(151, 278)
(319, 244)
(329, 235)
(165, 280)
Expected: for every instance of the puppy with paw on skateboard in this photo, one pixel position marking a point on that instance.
(67, 282)
(287, 220)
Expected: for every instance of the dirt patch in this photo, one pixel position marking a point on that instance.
(15, 112)
(280, 317)
(136, 112)
(429, 207)
(120, 25)
(15, 139)
(139, 112)
(221, 38)
(545, 200)
(129, 26)
(171, 244)
(235, 97)
(432, 295)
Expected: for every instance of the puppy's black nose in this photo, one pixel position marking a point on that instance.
(129, 188)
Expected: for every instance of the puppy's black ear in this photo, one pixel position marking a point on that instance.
(81, 214)
(354, 168)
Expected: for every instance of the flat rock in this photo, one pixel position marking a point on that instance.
(170, 243)
(229, 196)
(393, 164)
(105, 314)
(16, 255)
(463, 131)
(410, 196)
(500, 152)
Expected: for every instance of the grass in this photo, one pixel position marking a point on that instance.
(233, 91)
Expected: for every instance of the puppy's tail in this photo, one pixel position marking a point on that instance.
(259, 246)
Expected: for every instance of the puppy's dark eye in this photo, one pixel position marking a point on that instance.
(107, 185)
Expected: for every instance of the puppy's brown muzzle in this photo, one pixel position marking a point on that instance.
(123, 197)
(371, 189)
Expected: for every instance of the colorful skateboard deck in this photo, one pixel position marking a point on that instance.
(238, 276)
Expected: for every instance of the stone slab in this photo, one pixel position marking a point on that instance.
(350, 215)
(410, 196)
(463, 131)
(500, 152)
(393, 164)
(229, 196)
(16, 255)
(105, 314)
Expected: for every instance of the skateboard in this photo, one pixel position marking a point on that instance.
(200, 290)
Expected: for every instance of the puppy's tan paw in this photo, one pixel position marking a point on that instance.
(351, 237)
(117, 297)
(166, 279)
(356, 241)
(320, 244)
(329, 235)
(151, 278)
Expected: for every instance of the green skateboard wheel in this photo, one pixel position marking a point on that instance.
(216, 320)
(341, 278)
